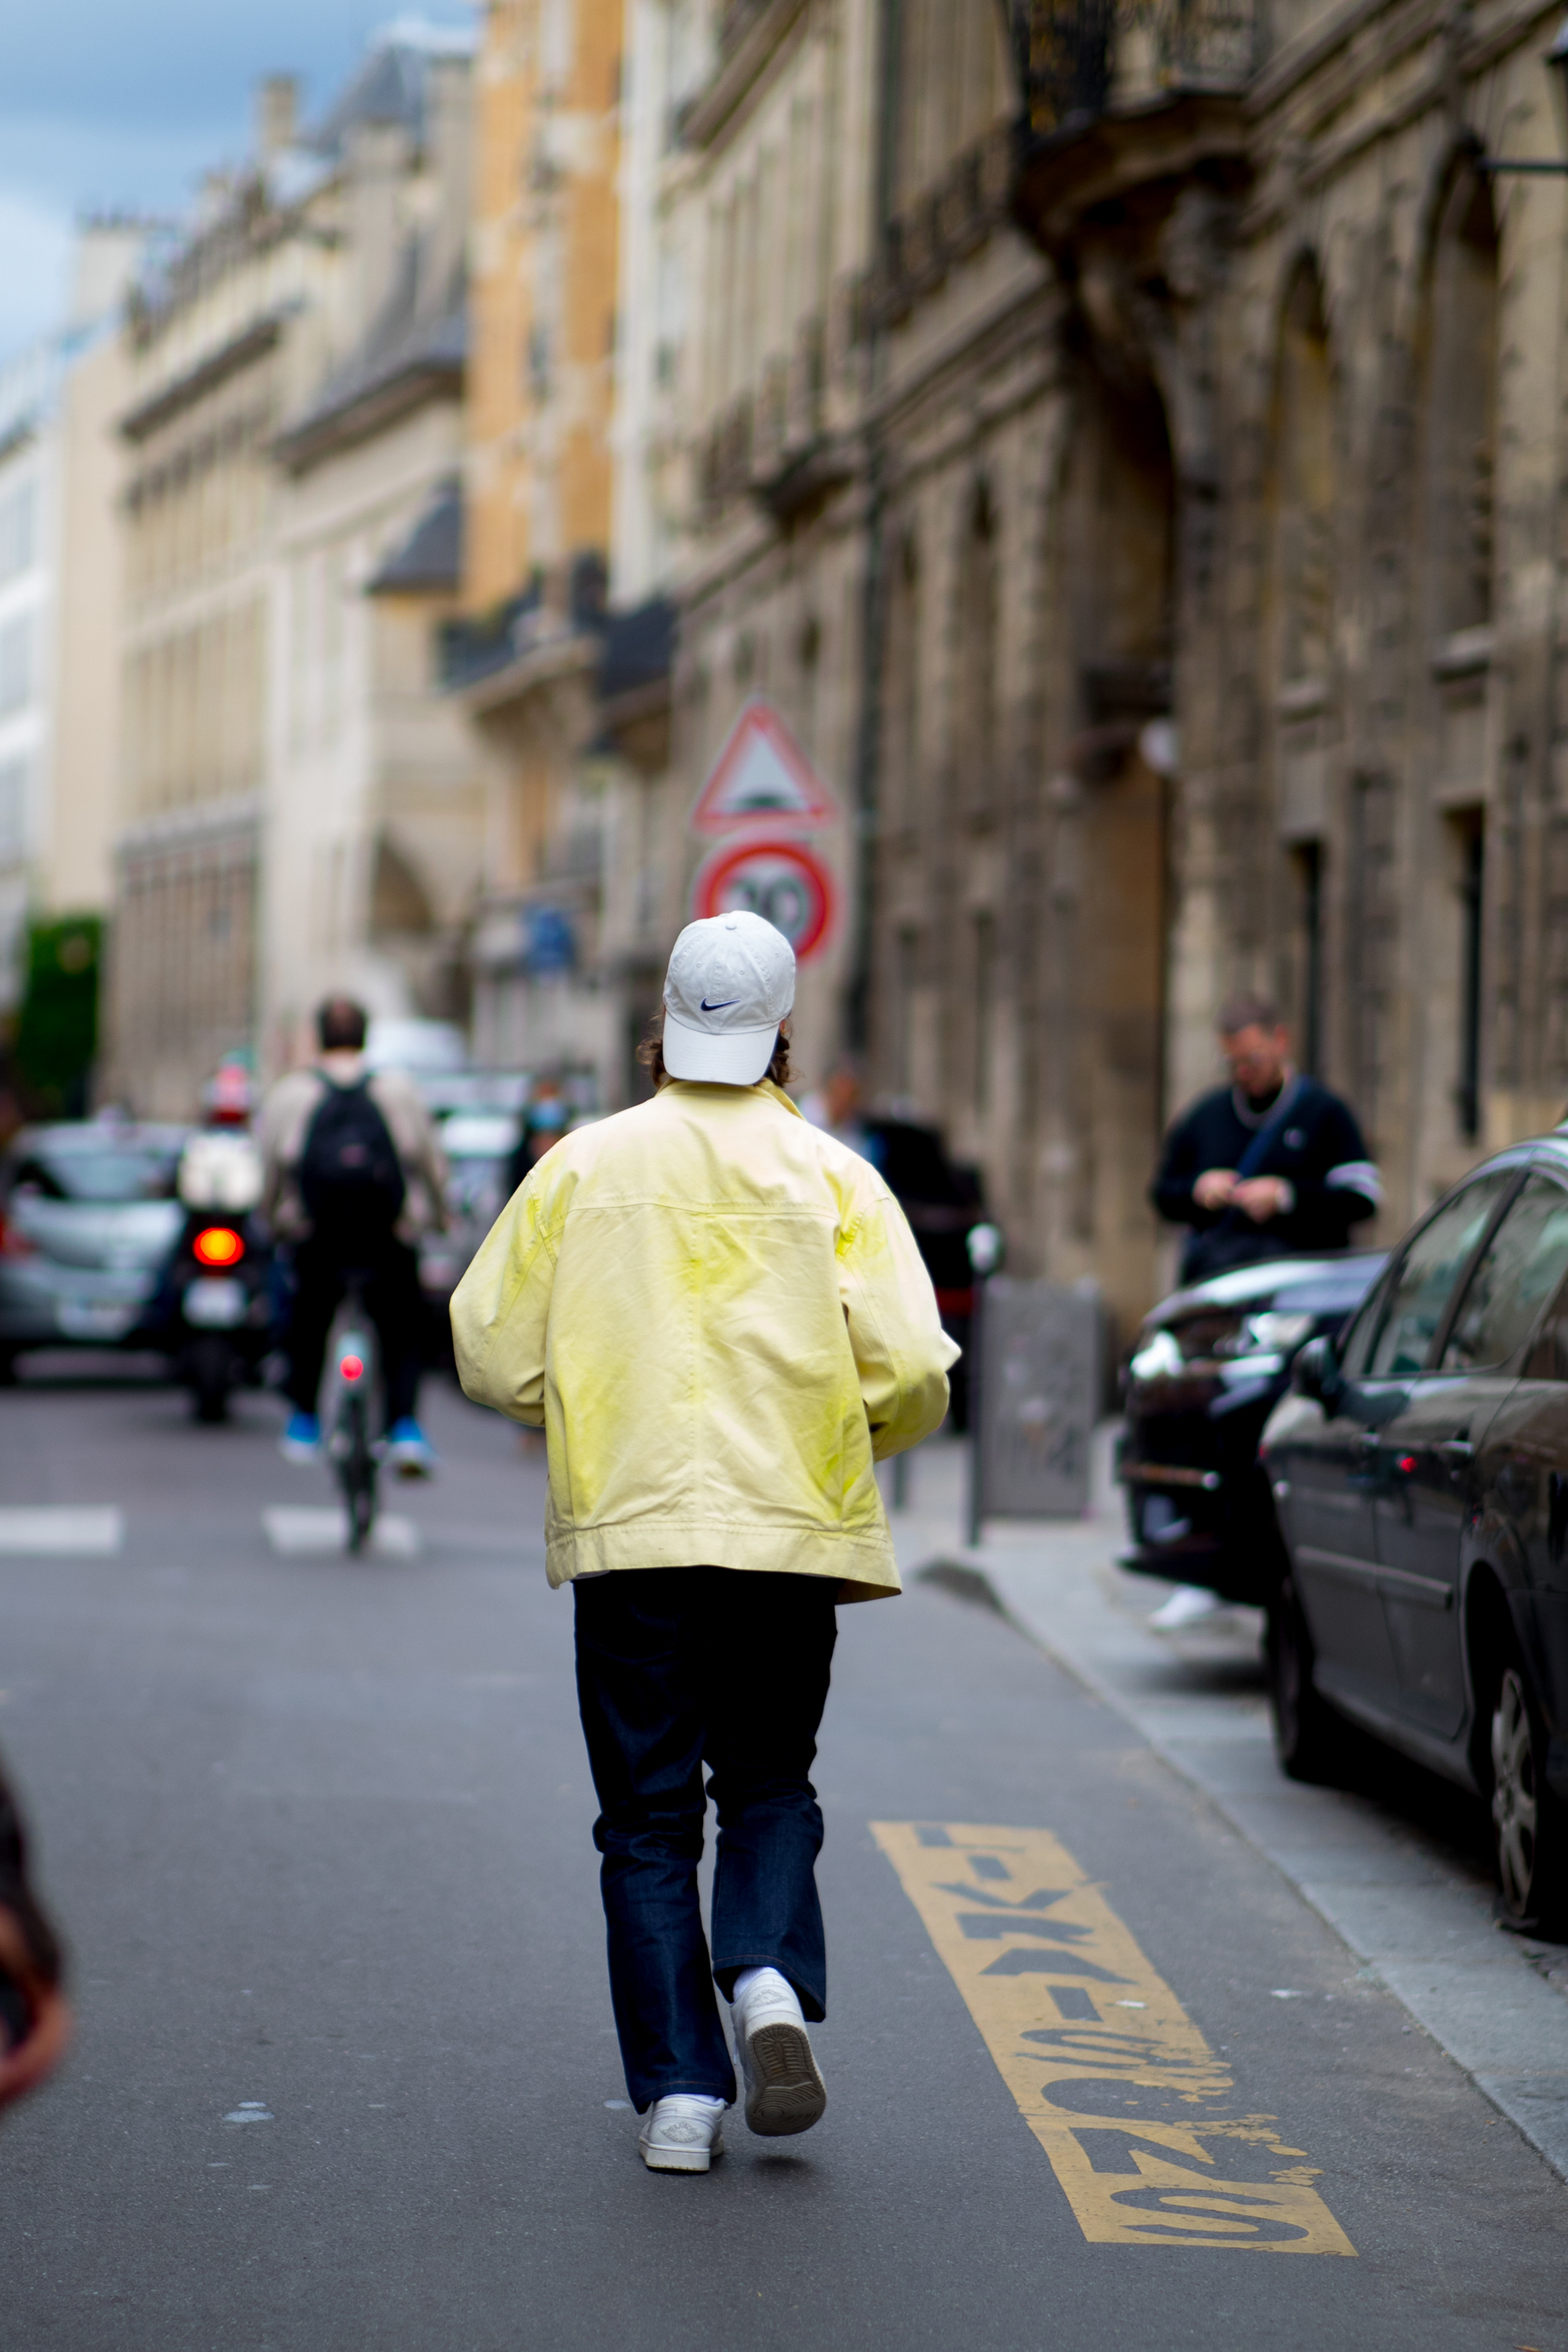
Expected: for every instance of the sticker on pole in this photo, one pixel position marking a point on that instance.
(785, 882)
(762, 772)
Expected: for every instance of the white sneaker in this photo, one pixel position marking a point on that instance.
(682, 2133)
(1188, 1606)
(783, 2091)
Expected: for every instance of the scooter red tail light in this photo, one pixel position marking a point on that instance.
(218, 1245)
(352, 1368)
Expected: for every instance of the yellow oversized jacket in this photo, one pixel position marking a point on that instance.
(719, 1316)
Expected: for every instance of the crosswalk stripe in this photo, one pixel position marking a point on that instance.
(1070, 2009)
(60, 1528)
(292, 1532)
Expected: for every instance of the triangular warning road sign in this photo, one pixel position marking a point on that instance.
(762, 771)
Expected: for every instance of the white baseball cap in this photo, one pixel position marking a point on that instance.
(731, 981)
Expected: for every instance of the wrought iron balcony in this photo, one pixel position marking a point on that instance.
(1117, 94)
(1079, 60)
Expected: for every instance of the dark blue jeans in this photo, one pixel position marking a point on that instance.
(677, 1666)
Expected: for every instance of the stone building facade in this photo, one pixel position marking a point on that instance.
(1308, 381)
(1164, 560)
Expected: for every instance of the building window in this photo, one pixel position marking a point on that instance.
(901, 721)
(1461, 409)
(1309, 856)
(17, 663)
(985, 1010)
(18, 508)
(976, 748)
(13, 810)
(906, 979)
(1304, 487)
(539, 361)
(1472, 896)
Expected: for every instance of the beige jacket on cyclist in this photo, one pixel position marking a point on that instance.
(719, 1316)
(286, 1122)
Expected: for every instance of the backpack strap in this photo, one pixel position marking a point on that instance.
(1257, 1151)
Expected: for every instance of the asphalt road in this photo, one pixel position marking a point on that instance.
(320, 1834)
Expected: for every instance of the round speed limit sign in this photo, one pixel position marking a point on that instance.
(785, 882)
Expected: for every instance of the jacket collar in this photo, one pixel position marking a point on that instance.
(764, 1086)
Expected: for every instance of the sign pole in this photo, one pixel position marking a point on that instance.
(976, 1406)
(984, 1246)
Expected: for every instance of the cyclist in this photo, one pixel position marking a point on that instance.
(355, 1176)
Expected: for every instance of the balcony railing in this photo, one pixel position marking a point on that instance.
(1079, 60)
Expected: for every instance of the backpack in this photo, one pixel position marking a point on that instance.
(351, 1179)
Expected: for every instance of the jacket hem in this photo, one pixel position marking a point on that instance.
(868, 1565)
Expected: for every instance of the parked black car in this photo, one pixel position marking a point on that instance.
(1211, 1364)
(1420, 1476)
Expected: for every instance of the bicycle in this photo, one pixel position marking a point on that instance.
(354, 1370)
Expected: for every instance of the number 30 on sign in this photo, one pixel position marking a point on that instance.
(784, 881)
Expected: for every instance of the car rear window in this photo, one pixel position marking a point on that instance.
(1517, 1273)
(112, 1176)
(1424, 1280)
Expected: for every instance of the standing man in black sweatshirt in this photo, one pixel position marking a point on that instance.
(1272, 1165)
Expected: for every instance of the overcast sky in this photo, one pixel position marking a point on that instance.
(124, 103)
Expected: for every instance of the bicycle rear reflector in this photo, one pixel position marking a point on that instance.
(218, 1245)
(351, 1367)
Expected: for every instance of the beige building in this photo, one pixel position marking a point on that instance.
(61, 462)
(223, 343)
(375, 809)
(297, 804)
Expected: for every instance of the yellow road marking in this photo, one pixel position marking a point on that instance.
(1111, 2075)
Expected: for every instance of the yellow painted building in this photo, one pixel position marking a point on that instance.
(543, 290)
(537, 502)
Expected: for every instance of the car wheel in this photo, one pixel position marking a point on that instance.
(1308, 1737)
(1529, 1825)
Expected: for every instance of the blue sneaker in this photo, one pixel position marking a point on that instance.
(408, 1449)
(301, 1441)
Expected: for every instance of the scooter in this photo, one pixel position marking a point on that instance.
(219, 1282)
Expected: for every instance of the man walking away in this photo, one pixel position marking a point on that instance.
(1272, 1165)
(720, 1318)
(355, 1176)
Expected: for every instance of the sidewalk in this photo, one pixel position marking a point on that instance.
(1413, 1905)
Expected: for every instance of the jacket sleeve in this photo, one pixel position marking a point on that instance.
(1179, 1169)
(500, 1309)
(1339, 1187)
(901, 1352)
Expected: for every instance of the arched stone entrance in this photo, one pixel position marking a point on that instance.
(1112, 583)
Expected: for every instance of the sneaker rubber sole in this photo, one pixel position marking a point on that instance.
(785, 2092)
(661, 2157)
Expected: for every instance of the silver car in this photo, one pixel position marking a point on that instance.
(88, 1221)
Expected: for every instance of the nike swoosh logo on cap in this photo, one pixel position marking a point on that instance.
(724, 1007)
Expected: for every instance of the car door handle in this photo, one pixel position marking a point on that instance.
(1456, 1450)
